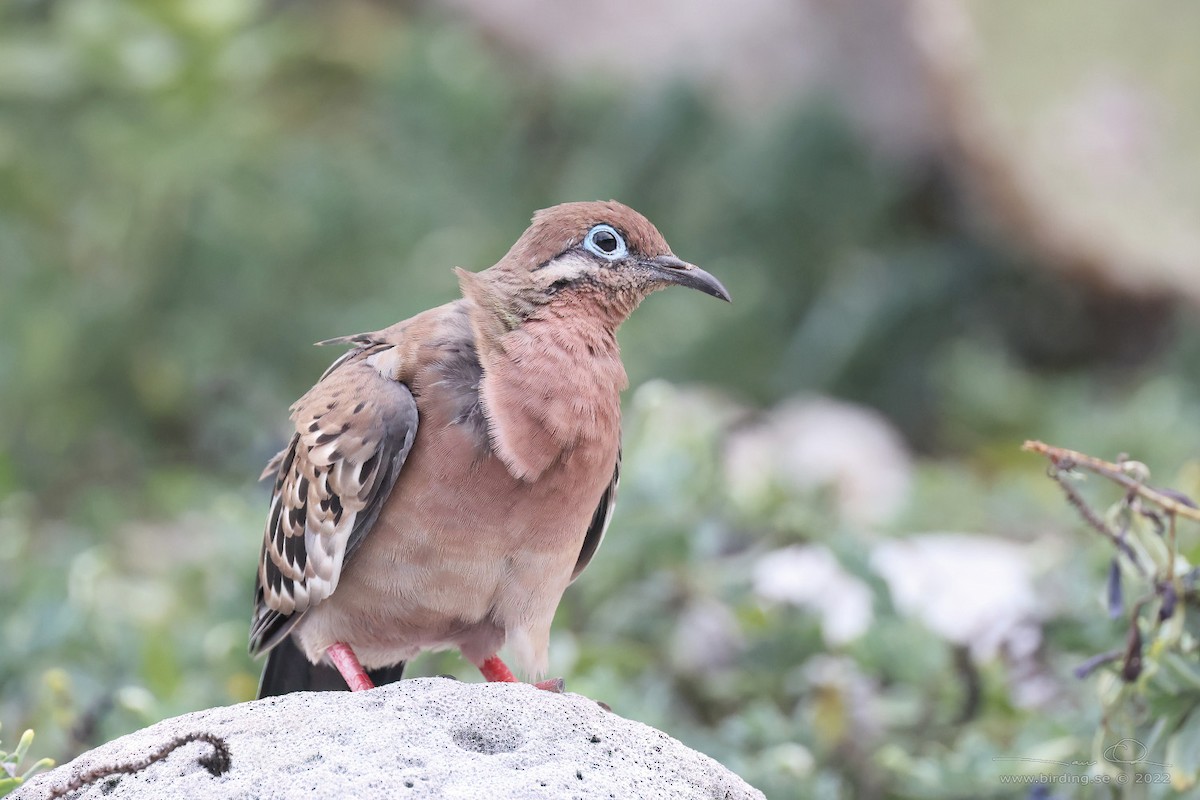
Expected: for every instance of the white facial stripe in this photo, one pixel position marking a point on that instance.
(568, 267)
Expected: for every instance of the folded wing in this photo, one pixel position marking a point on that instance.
(353, 432)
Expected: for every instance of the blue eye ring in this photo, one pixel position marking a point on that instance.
(604, 241)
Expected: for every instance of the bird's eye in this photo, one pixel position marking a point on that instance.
(604, 241)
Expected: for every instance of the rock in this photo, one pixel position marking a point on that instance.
(427, 737)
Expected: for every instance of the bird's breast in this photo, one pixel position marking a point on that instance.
(549, 395)
(483, 528)
(461, 545)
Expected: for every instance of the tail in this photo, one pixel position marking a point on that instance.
(289, 670)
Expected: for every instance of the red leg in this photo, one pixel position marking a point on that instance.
(495, 670)
(347, 663)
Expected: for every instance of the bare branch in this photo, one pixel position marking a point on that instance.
(1168, 500)
(1099, 525)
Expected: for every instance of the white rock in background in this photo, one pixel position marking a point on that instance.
(975, 591)
(812, 578)
(809, 443)
(419, 738)
(707, 638)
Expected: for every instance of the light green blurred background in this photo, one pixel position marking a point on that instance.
(947, 228)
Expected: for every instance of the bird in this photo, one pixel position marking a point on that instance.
(449, 476)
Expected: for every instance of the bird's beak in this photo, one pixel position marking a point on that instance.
(673, 270)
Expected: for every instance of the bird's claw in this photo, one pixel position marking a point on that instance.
(556, 685)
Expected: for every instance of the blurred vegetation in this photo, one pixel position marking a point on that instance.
(1152, 697)
(12, 774)
(191, 192)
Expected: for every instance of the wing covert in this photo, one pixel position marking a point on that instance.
(353, 432)
(600, 520)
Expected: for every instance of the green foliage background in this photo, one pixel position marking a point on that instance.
(192, 192)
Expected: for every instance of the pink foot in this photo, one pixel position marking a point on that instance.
(347, 663)
(556, 685)
(495, 670)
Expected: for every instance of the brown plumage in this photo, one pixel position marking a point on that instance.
(451, 474)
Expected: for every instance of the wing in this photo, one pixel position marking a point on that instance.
(354, 430)
(600, 520)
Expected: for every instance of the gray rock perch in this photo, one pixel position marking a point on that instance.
(427, 737)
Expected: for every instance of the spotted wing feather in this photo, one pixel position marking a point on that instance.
(353, 432)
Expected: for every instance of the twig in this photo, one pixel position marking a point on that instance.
(1098, 524)
(1171, 558)
(1131, 666)
(1063, 458)
(216, 762)
(1089, 666)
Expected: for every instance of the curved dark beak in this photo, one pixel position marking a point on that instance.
(674, 270)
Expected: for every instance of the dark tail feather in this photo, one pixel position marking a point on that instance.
(289, 670)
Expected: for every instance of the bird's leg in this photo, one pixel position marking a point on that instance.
(495, 670)
(347, 663)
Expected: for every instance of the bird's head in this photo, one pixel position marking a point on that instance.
(594, 255)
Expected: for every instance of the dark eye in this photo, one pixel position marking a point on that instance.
(606, 242)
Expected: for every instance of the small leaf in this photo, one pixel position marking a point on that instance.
(1132, 667)
(1184, 669)
(1116, 598)
(1183, 753)
(23, 747)
(1088, 667)
(1169, 599)
(1178, 497)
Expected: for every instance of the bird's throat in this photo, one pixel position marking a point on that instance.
(551, 388)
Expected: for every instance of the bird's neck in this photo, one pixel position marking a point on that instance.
(551, 386)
